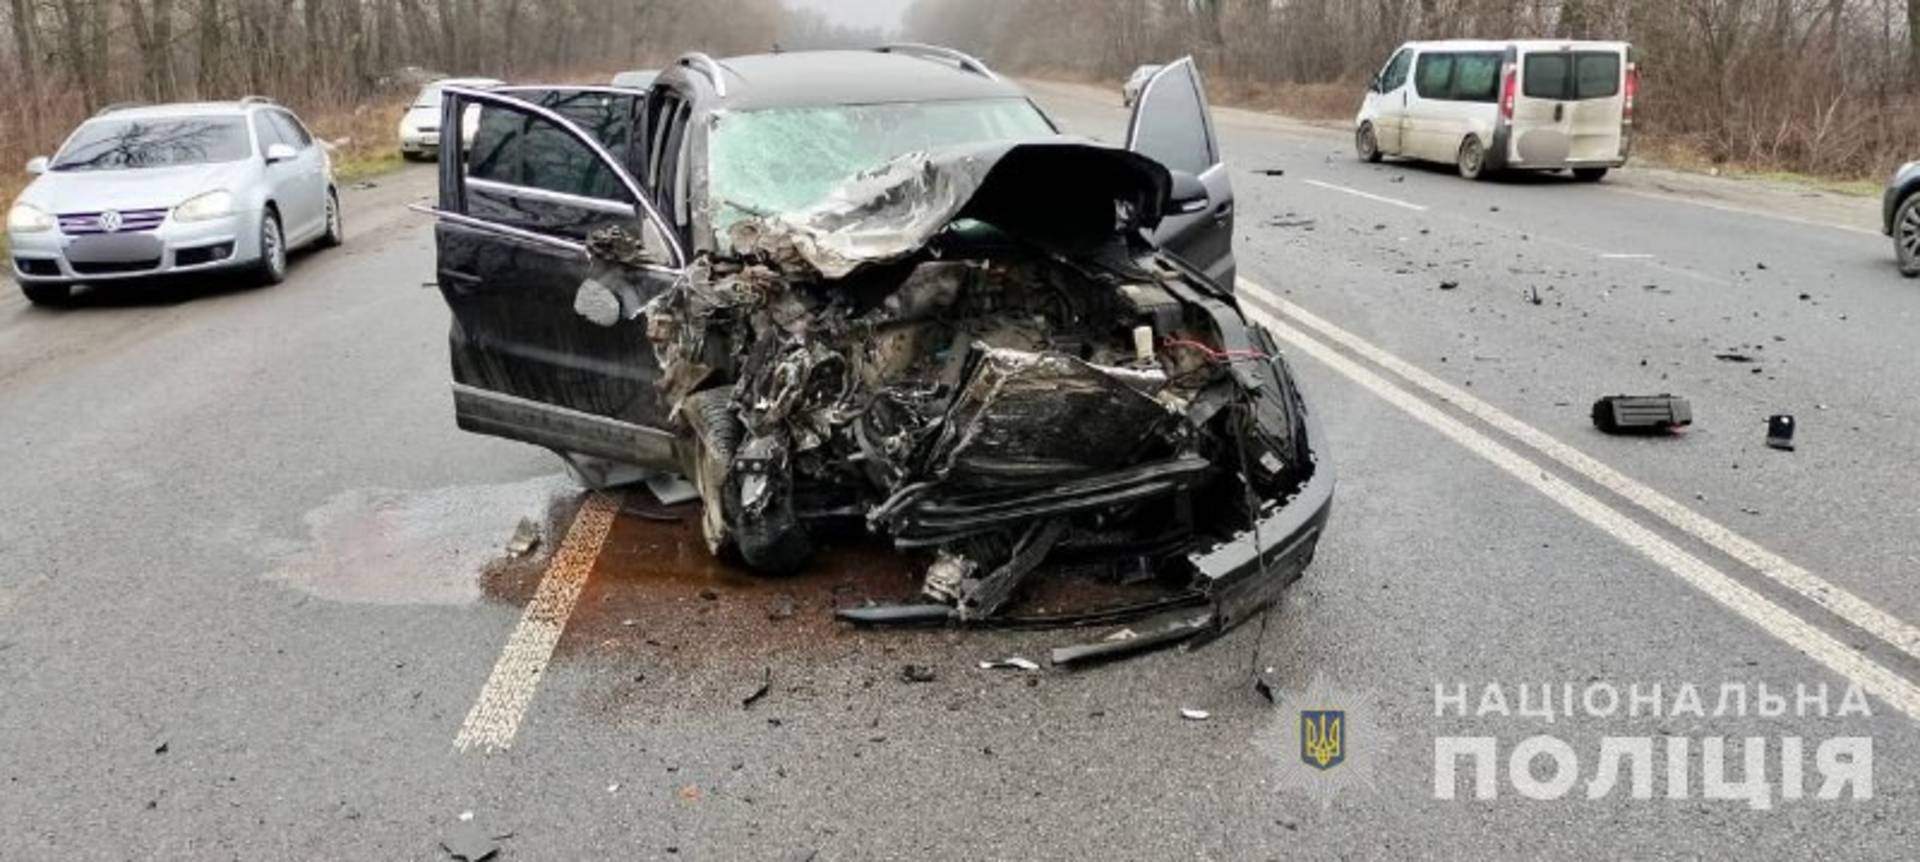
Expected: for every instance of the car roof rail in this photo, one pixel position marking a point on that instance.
(966, 61)
(118, 106)
(257, 100)
(707, 66)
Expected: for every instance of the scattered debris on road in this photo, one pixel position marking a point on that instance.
(1533, 295)
(917, 673)
(1734, 357)
(760, 691)
(1014, 662)
(1271, 172)
(1191, 714)
(1640, 414)
(1780, 432)
(1449, 285)
(526, 537)
(470, 841)
(1292, 221)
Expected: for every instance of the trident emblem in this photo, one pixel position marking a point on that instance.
(1321, 739)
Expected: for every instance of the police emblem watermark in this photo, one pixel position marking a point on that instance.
(1324, 741)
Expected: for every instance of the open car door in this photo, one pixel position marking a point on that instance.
(516, 205)
(1171, 124)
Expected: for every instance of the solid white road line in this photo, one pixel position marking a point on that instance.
(1368, 195)
(1855, 610)
(1626, 256)
(1742, 600)
(495, 717)
(1694, 201)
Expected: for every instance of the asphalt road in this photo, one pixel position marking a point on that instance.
(250, 591)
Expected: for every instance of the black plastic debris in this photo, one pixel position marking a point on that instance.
(1733, 357)
(1449, 285)
(1641, 414)
(753, 697)
(917, 673)
(1272, 172)
(1780, 432)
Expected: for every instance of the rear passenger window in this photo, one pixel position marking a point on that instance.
(1596, 76)
(1476, 77)
(1546, 76)
(1433, 76)
(1571, 75)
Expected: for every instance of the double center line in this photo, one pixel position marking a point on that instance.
(1281, 317)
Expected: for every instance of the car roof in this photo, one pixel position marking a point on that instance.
(795, 79)
(1522, 44)
(464, 82)
(179, 109)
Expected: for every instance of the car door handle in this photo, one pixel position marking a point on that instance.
(1223, 211)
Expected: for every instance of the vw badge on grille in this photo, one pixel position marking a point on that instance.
(110, 221)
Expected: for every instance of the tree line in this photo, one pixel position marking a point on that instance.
(1822, 86)
(71, 57)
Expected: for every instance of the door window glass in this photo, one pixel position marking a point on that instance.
(1476, 77)
(525, 150)
(1396, 74)
(264, 130)
(1433, 76)
(1172, 126)
(290, 131)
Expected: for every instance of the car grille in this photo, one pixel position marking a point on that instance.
(81, 224)
(114, 267)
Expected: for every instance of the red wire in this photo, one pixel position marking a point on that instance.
(1213, 353)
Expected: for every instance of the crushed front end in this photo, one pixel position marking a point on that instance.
(1008, 406)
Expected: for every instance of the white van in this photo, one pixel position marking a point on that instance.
(1492, 106)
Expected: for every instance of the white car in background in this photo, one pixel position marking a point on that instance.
(420, 125)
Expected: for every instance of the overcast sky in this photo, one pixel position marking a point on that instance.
(858, 13)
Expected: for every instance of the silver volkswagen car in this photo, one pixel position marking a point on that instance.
(169, 189)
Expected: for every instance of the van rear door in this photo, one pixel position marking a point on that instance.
(1571, 107)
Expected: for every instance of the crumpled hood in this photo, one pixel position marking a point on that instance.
(1062, 194)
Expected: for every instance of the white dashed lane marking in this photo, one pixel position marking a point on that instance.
(495, 717)
(1368, 195)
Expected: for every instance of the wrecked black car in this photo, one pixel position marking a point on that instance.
(878, 291)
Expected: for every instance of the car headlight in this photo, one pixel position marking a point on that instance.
(27, 218)
(207, 206)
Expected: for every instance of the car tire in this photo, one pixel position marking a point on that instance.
(1906, 235)
(1367, 144)
(1589, 175)
(411, 156)
(336, 232)
(271, 269)
(47, 294)
(1472, 160)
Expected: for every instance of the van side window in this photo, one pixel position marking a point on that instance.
(1476, 78)
(1433, 76)
(1395, 74)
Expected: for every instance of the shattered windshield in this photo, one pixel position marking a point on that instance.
(785, 160)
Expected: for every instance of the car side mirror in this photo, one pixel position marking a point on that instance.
(37, 165)
(281, 153)
(1188, 194)
(1374, 84)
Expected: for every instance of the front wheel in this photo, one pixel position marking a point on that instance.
(1906, 235)
(47, 294)
(272, 268)
(1590, 175)
(1366, 144)
(336, 232)
(1473, 158)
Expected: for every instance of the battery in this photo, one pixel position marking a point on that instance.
(1628, 414)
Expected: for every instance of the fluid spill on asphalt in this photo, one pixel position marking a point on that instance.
(387, 546)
